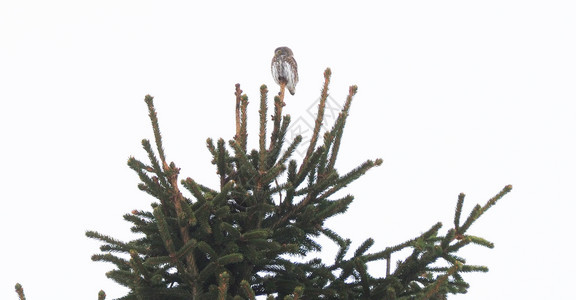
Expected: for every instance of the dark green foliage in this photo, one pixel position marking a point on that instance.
(236, 241)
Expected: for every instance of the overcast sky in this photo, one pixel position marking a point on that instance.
(454, 96)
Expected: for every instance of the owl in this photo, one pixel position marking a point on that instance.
(285, 69)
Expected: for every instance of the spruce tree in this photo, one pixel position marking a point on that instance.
(238, 240)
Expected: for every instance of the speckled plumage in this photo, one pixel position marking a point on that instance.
(285, 69)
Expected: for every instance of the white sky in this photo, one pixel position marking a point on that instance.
(454, 96)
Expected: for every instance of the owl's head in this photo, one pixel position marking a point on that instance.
(283, 51)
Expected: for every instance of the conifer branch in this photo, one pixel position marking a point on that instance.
(318, 121)
(458, 211)
(221, 161)
(244, 124)
(244, 162)
(263, 114)
(149, 185)
(159, 260)
(308, 168)
(450, 235)
(123, 277)
(155, 164)
(184, 250)
(164, 231)
(473, 216)
(207, 249)
(280, 134)
(364, 247)
(184, 227)
(238, 94)
(479, 210)
(433, 289)
(194, 188)
(241, 117)
(335, 207)
(272, 174)
(232, 258)
(101, 295)
(212, 148)
(480, 241)
(156, 128)
(364, 277)
(119, 262)
(298, 292)
(138, 266)
(290, 150)
(334, 237)
(223, 281)
(328, 139)
(276, 118)
(494, 199)
(221, 197)
(350, 177)
(107, 239)
(20, 291)
(339, 126)
(281, 95)
(248, 292)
